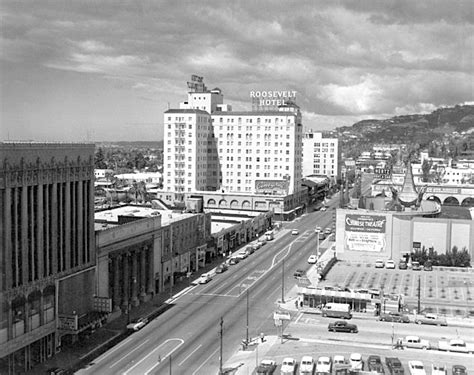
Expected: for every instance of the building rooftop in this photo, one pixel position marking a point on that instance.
(187, 110)
(254, 113)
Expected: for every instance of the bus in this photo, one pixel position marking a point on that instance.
(269, 235)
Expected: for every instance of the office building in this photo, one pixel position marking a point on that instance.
(320, 155)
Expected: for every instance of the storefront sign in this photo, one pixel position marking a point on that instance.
(365, 233)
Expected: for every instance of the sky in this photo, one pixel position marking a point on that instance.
(107, 70)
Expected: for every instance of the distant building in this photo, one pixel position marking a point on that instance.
(321, 155)
(47, 248)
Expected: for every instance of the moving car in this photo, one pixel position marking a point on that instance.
(455, 345)
(374, 364)
(323, 365)
(299, 273)
(306, 365)
(394, 317)
(438, 370)
(137, 324)
(416, 368)
(222, 268)
(431, 319)
(379, 263)
(390, 264)
(266, 367)
(295, 232)
(415, 342)
(394, 366)
(312, 259)
(459, 370)
(356, 362)
(342, 326)
(288, 366)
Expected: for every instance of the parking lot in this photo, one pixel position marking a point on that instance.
(443, 291)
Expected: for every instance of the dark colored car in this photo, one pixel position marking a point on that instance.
(234, 260)
(222, 268)
(394, 317)
(394, 366)
(342, 326)
(402, 265)
(459, 370)
(299, 273)
(428, 266)
(266, 367)
(374, 364)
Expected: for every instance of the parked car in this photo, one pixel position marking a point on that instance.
(327, 231)
(321, 236)
(318, 229)
(394, 317)
(203, 279)
(416, 266)
(390, 264)
(356, 362)
(295, 232)
(324, 208)
(323, 365)
(306, 365)
(438, 370)
(339, 360)
(394, 366)
(416, 368)
(137, 324)
(266, 367)
(456, 345)
(233, 260)
(415, 342)
(222, 268)
(374, 364)
(459, 370)
(312, 259)
(242, 254)
(342, 326)
(298, 273)
(262, 241)
(288, 366)
(379, 263)
(431, 319)
(428, 266)
(402, 265)
(249, 250)
(337, 310)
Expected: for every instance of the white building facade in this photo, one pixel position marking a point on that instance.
(320, 155)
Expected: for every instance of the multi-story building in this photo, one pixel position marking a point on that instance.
(46, 247)
(320, 155)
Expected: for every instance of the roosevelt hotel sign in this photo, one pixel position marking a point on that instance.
(271, 99)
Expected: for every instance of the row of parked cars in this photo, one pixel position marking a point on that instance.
(355, 362)
(403, 265)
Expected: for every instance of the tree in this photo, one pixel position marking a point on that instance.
(425, 168)
(99, 159)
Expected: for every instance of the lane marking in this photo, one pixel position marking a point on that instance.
(130, 352)
(113, 350)
(189, 355)
(207, 359)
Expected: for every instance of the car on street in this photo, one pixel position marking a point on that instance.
(324, 365)
(203, 279)
(356, 362)
(288, 366)
(394, 366)
(306, 365)
(379, 263)
(402, 265)
(233, 260)
(137, 324)
(327, 231)
(295, 232)
(321, 236)
(438, 369)
(342, 326)
(459, 370)
(298, 273)
(431, 319)
(266, 367)
(456, 345)
(249, 250)
(416, 266)
(415, 342)
(390, 264)
(394, 317)
(312, 259)
(222, 268)
(262, 241)
(318, 229)
(323, 208)
(242, 254)
(374, 364)
(416, 368)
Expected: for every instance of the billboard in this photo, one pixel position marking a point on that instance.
(271, 187)
(365, 233)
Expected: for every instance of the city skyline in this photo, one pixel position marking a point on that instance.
(105, 71)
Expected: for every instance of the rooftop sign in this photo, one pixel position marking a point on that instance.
(272, 97)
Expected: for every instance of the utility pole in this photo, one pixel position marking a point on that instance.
(419, 294)
(283, 281)
(220, 353)
(170, 364)
(247, 330)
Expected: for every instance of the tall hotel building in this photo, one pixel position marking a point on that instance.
(320, 155)
(47, 254)
(207, 146)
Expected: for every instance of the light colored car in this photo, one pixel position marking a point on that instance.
(312, 259)
(323, 208)
(379, 263)
(288, 366)
(438, 370)
(431, 319)
(137, 324)
(306, 365)
(415, 342)
(327, 231)
(416, 368)
(456, 345)
(204, 278)
(242, 254)
(266, 367)
(390, 264)
(339, 360)
(318, 229)
(324, 365)
(356, 362)
(295, 232)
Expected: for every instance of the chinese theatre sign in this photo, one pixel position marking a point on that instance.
(275, 187)
(365, 233)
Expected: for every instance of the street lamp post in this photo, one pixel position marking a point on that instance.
(247, 328)
(283, 281)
